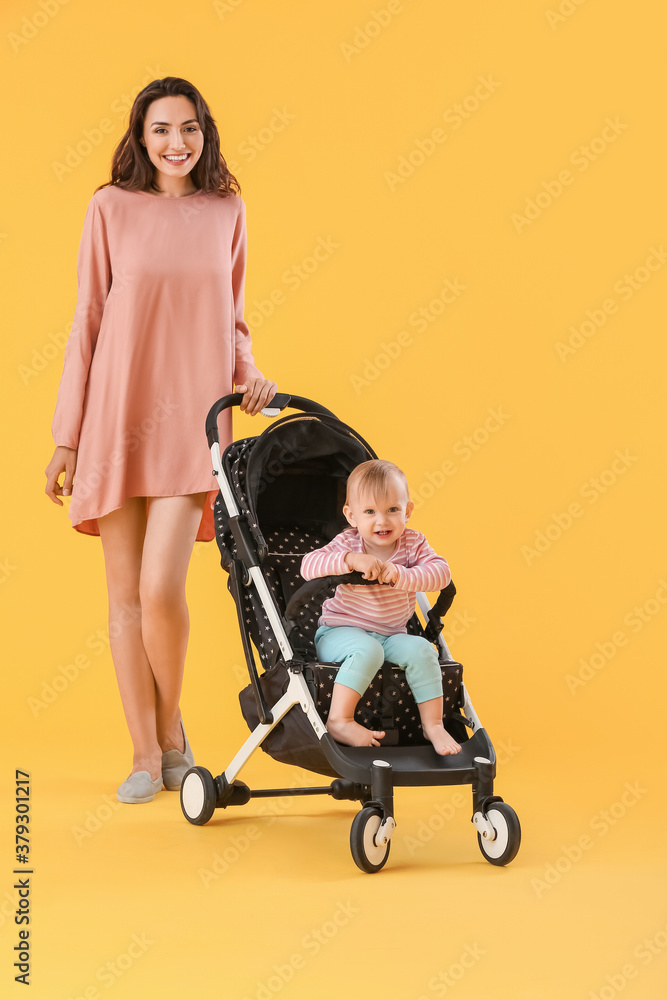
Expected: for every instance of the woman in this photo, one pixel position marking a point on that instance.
(158, 335)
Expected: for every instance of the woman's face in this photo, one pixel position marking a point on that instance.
(172, 135)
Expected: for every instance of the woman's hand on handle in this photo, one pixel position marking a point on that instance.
(64, 460)
(258, 393)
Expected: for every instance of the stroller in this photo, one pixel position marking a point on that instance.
(281, 496)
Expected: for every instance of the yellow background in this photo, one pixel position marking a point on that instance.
(359, 96)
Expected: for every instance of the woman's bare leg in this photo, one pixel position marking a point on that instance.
(122, 533)
(171, 530)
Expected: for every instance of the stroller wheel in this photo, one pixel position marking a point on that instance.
(366, 853)
(198, 795)
(506, 824)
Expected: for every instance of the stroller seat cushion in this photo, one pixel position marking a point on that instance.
(387, 703)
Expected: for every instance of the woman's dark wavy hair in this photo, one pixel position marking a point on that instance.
(131, 167)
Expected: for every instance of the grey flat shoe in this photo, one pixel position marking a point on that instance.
(139, 787)
(175, 765)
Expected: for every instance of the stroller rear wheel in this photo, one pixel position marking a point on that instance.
(506, 824)
(367, 855)
(198, 796)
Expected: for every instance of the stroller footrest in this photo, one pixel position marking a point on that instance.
(421, 765)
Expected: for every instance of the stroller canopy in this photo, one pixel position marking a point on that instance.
(289, 485)
(294, 474)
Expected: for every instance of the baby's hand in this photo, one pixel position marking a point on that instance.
(388, 573)
(367, 565)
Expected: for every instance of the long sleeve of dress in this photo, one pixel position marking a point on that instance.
(93, 284)
(244, 361)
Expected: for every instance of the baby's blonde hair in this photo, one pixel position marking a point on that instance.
(374, 477)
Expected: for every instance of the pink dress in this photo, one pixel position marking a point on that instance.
(158, 335)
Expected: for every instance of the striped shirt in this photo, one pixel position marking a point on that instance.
(381, 608)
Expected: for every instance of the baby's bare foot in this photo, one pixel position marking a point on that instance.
(442, 742)
(351, 734)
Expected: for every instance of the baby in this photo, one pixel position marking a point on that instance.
(360, 626)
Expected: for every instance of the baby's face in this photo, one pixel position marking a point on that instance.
(380, 520)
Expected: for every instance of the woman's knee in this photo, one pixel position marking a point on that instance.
(160, 595)
(150, 594)
(124, 613)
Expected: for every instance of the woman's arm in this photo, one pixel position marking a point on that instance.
(93, 284)
(258, 391)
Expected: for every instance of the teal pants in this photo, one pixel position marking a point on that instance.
(361, 654)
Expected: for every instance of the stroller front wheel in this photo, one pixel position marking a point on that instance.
(506, 824)
(368, 855)
(198, 796)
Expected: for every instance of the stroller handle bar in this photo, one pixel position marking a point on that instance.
(312, 588)
(280, 401)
